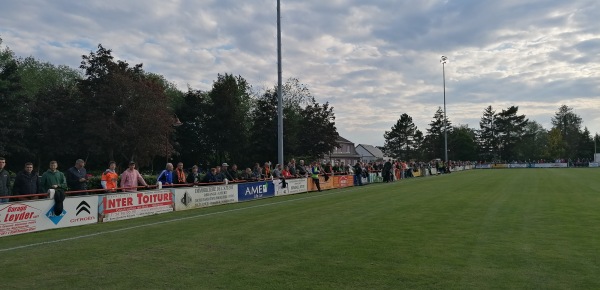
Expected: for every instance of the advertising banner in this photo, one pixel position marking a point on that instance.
(122, 206)
(324, 184)
(204, 196)
(519, 165)
(38, 215)
(483, 166)
(594, 164)
(292, 186)
(550, 165)
(341, 181)
(255, 190)
(496, 166)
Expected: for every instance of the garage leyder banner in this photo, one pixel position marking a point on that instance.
(38, 215)
(292, 186)
(255, 190)
(340, 181)
(123, 206)
(194, 197)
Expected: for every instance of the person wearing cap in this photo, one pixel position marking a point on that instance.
(225, 171)
(131, 178)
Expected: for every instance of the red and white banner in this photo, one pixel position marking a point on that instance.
(123, 206)
(38, 215)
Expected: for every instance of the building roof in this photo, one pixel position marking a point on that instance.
(374, 151)
(343, 140)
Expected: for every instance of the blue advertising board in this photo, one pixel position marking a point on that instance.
(255, 190)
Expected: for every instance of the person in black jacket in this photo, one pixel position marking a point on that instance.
(77, 176)
(358, 173)
(27, 182)
(4, 181)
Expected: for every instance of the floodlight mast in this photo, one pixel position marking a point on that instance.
(443, 60)
(279, 93)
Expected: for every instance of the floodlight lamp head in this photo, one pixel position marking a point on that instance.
(443, 59)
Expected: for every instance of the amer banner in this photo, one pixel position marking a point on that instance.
(124, 206)
(292, 186)
(255, 190)
(194, 197)
(38, 215)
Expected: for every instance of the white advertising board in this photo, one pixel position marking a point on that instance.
(38, 215)
(550, 165)
(292, 186)
(123, 206)
(204, 196)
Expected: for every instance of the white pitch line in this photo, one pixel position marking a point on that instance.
(172, 220)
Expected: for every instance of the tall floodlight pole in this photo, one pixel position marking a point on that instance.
(279, 94)
(443, 61)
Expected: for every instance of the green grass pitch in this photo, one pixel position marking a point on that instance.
(480, 229)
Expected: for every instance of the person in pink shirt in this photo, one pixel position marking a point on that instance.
(131, 178)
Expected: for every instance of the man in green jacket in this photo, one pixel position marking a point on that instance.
(53, 179)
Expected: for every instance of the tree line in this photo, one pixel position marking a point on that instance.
(109, 110)
(503, 135)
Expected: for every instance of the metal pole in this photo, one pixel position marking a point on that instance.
(443, 60)
(279, 94)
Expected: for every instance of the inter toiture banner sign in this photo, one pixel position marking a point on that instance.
(38, 215)
(123, 206)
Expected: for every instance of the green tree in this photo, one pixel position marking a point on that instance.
(569, 125)
(462, 144)
(229, 104)
(194, 112)
(487, 135)
(14, 106)
(510, 128)
(534, 143)
(128, 112)
(556, 144)
(434, 141)
(399, 141)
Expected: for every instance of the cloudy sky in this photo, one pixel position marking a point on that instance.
(372, 60)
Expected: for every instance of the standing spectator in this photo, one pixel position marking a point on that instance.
(210, 176)
(218, 174)
(27, 182)
(386, 171)
(4, 180)
(225, 172)
(328, 169)
(110, 177)
(53, 179)
(292, 167)
(194, 176)
(131, 178)
(266, 170)
(248, 174)
(277, 171)
(233, 172)
(180, 174)
(166, 176)
(301, 169)
(358, 173)
(286, 172)
(257, 171)
(76, 176)
(314, 170)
